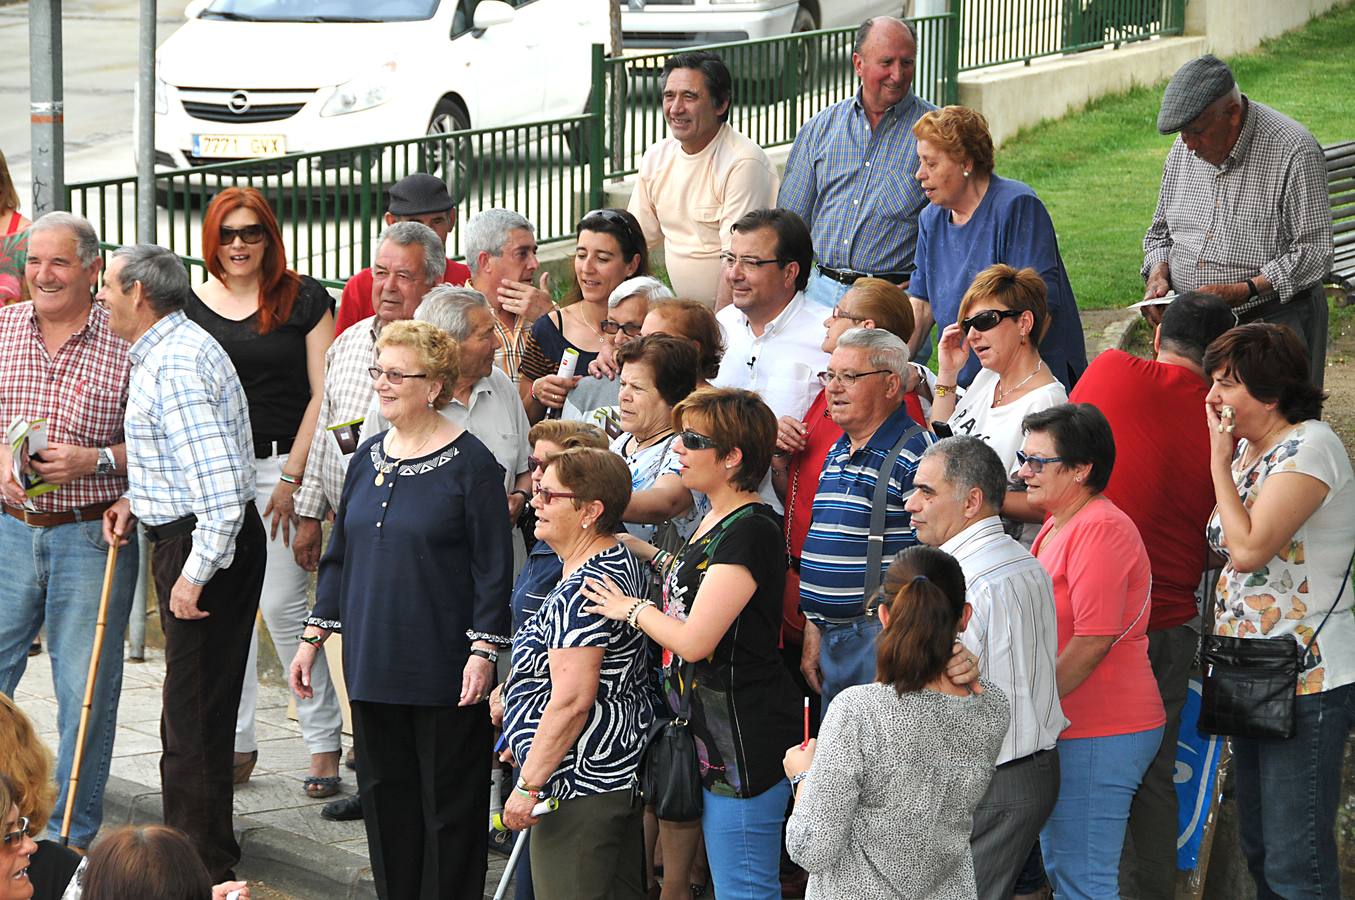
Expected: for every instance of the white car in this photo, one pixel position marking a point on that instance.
(664, 24)
(251, 78)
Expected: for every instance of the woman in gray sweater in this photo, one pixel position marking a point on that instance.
(885, 798)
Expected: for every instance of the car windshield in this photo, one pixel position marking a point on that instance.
(321, 10)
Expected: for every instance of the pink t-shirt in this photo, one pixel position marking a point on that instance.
(1101, 578)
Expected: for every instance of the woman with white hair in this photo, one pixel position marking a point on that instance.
(594, 399)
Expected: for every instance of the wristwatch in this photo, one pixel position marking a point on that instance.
(106, 464)
(1252, 290)
(491, 655)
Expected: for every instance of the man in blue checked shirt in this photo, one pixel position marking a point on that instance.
(850, 174)
(190, 461)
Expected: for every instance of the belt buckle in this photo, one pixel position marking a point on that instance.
(26, 511)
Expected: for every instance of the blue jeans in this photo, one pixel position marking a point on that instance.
(824, 292)
(743, 842)
(55, 575)
(1287, 793)
(1084, 835)
(846, 655)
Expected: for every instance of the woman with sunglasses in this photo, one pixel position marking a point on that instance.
(1002, 318)
(1096, 559)
(610, 248)
(975, 219)
(417, 570)
(26, 769)
(719, 630)
(17, 849)
(594, 398)
(276, 326)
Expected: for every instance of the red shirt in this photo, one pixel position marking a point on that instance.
(1101, 574)
(802, 483)
(1161, 478)
(356, 302)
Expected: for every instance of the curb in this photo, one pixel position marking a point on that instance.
(287, 861)
(1120, 333)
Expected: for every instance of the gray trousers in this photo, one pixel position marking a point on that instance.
(1307, 315)
(1008, 819)
(1148, 864)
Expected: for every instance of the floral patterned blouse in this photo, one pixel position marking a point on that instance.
(1292, 593)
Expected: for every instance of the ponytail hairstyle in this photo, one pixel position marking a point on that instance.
(928, 590)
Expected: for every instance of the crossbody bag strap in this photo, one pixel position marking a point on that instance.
(1307, 648)
(875, 541)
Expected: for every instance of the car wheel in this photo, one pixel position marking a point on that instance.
(451, 160)
(789, 76)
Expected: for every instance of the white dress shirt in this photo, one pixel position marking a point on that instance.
(779, 364)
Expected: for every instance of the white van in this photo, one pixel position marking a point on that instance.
(250, 78)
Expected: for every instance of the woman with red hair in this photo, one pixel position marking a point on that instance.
(276, 326)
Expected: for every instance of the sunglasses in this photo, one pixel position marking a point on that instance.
(547, 495)
(18, 834)
(392, 376)
(611, 326)
(988, 319)
(1036, 463)
(250, 234)
(614, 216)
(695, 441)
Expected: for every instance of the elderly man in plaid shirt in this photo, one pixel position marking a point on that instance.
(59, 361)
(1243, 211)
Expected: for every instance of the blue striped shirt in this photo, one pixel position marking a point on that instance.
(833, 561)
(854, 185)
(189, 444)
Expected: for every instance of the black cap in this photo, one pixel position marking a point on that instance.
(1195, 318)
(1194, 86)
(419, 195)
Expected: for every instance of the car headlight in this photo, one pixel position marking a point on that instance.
(161, 97)
(364, 92)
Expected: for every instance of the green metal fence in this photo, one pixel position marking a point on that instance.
(996, 32)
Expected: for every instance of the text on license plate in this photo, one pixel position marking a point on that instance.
(238, 146)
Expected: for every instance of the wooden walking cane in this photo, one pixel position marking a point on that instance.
(99, 624)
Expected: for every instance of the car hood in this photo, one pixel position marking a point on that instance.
(211, 53)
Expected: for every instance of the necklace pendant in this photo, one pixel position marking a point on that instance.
(380, 479)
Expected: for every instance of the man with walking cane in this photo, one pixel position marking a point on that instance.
(65, 376)
(190, 480)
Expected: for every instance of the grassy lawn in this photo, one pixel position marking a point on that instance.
(1098, 171)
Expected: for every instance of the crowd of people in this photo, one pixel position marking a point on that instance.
(894, 632)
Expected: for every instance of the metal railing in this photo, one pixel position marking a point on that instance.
(996, 32)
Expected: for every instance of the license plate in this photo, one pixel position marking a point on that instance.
(238, 146)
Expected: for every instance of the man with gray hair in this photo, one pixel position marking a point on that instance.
(62, 366)
(190, 480)
(957, 492)
(1243, 211)
(501, 250)
(865, 382)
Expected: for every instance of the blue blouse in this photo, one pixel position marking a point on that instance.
(539, 575)
(605, 755)
(416, 568)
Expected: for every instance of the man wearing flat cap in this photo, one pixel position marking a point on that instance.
(418, 198)
(1243, 211)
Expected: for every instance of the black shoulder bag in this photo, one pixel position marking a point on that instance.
(1250, 684)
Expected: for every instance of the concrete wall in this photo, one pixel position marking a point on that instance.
(1236, 26)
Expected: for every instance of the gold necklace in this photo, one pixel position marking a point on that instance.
(389, 465)
(1002, 395)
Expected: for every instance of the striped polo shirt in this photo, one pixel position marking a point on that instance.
(833, 561)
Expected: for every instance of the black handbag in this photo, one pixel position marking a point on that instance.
(669, 778)
(1250, 684)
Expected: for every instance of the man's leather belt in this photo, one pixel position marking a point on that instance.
(1024, 759)
(847, 276)
(90, 513)
(177, 528)
(264, 449)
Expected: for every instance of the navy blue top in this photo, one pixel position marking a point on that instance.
(539, 575)
(416, 567)
(1010, 226)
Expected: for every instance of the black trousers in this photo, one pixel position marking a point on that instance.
(423, 775)
(204, 669)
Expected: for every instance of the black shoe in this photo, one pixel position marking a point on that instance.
(345, 809)
(501, 842)
(36, 647)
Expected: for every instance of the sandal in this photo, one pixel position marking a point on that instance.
(318, 787)
(244, 767)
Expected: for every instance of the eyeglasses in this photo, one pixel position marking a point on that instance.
(547, 495)
(18, 834)
(839, 314)
(988, 319)
(847, 378)
(693, 440)
(1036, 463)
(392, 376)
(729, 261)
(611, 326)
(250, 234)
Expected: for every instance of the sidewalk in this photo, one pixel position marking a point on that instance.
(283, 839)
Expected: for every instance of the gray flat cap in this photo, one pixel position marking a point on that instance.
(419, 195)
(1194, 86)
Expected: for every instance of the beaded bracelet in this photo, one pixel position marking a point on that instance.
(290, 479)
(798, 777)
(633, 617)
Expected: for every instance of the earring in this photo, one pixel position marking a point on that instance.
(729, 465)
(1078, 479)
(966, 173)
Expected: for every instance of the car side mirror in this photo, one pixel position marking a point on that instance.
(489, 13)
(195, 8)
